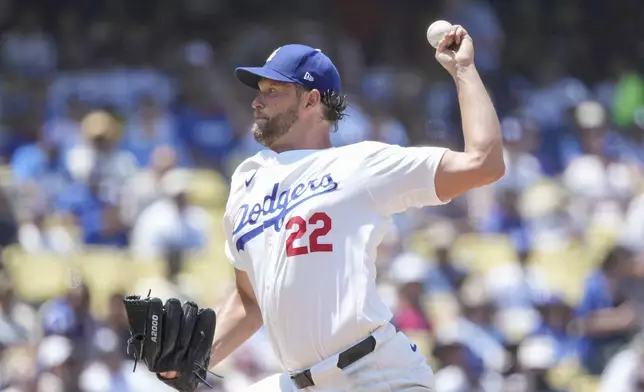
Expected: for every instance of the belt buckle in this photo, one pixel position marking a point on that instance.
(303, 380)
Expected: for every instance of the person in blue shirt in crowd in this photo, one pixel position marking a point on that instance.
(38, 173)
(98, 169)
(35, 161)
(150, 127)
(556, 315)
(205, 128)
(70, 316)
(505, 217)
(446, 276)
(483, 341)
(63, 130)
(593, 134)
(97, 216)
(606, 321)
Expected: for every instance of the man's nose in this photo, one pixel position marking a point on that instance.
(257, 103)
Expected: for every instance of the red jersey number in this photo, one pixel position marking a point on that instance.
(323, 225)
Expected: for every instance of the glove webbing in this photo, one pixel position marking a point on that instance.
(140, 337)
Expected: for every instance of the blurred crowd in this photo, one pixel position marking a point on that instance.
(121, 124)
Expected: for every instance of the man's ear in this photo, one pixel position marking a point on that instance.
(313, 98)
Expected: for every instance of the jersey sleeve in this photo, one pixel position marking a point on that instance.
(234, 257)
(400, 178)
(229, 246)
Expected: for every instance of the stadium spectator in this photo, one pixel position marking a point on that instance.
(556, 315)
(150, 127)
(445, 275)
(517, 283)
(171, 224)
(409, 272)
(70, 317)
(205, 128)
(607, 320)
(144, 187)
(18, 322)
(64, 131)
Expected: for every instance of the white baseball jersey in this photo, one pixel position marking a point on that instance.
(305, 226)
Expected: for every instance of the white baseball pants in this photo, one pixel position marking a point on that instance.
(394, 366)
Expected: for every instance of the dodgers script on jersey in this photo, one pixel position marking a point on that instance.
(305, 224)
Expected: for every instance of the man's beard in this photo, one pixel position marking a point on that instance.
(274, 127)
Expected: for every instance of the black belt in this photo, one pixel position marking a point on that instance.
(351, 355)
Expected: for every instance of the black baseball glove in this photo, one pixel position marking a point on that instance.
(171, 337)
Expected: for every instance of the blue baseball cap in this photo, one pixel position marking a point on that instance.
(294, 63)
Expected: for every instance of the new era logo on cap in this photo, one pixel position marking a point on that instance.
(294, 64)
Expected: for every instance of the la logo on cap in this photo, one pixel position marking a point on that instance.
(273, 54)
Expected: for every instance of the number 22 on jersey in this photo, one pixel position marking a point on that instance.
(299, 227)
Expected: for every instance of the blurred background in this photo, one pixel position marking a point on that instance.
(122, 122)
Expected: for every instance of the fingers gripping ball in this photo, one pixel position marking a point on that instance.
(455, 51)
(436, 31)
(171, 337)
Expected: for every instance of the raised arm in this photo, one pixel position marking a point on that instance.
(482, 161)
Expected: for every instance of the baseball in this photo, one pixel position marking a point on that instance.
(436, 31)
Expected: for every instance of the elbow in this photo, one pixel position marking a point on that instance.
(496, 170)
(491, 169)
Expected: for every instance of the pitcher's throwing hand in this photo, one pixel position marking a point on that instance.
(456, 50)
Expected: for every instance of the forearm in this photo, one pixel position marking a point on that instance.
(605, 323)
(238, 320)
(481, 128)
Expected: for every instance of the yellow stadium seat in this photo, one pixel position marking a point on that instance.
(441, 308)
(13, 251)
(420, 244)
(106, 272)
(60, 220)
(564, 373)
(38, 277)
(209, 275)
(600, 239)
(6, 177)
(585, 383)
(482, 252)
(565, 270)
(208, 188)
(139, 270)
(541, 199)
(216, 234)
